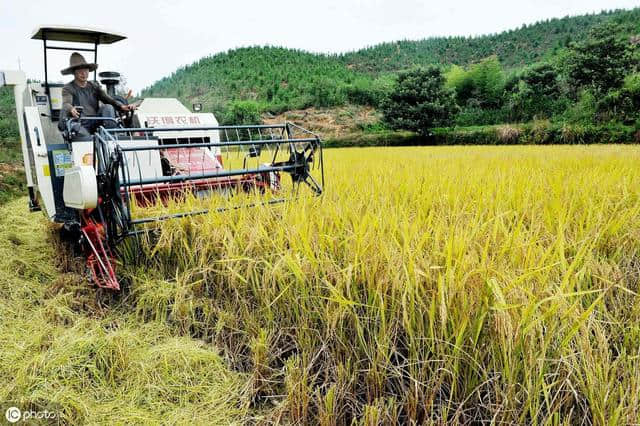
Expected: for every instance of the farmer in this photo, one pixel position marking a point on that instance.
(85, 93)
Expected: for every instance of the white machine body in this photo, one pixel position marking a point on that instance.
(80, 188)
(60, 175)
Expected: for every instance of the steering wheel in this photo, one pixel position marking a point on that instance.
(126, 116)
(69, 133)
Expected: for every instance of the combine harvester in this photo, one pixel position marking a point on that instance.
(99, 187)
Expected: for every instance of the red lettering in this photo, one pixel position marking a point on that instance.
(151, 120)
(194, 119)
(181, 120)
(167, 120)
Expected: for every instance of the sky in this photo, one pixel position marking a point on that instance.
(165, 35)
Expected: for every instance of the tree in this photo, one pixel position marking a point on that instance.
(488, 82)
(419, 101)
(542, 78)
(600, 62)
(533, 92)
(482, 84)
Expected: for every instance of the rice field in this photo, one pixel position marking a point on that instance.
(427, 285)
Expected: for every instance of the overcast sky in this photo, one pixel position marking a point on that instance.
(164, 35)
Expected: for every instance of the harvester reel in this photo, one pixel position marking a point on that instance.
(124, 187)
(301, 162)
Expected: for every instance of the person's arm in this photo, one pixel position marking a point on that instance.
(106, 99)
(67, 100)
(67, 103)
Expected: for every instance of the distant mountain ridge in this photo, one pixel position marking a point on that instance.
(514, 48)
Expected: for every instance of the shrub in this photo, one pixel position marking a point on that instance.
(540, 132)
(508, 134)
(242, 112)
(584, 111)
(477, 116)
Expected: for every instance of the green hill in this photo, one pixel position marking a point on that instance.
(281, 79)
(514, 48)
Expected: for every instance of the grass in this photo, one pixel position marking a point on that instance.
(443, 284)
(428, 285)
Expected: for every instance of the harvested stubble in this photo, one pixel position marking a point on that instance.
(444, 284)
(65, 352)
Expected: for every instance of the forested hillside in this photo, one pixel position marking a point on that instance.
(280, 79)
(514, 48)
(276, 79)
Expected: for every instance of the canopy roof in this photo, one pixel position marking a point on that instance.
(76, 34)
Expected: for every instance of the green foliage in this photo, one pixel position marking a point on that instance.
(632, 83)
(488, 81)
(12, 184)
(514, 48)
(476, 116)
(378, 138)
(534, 92)
(602, 61)
(537, 132)
(363, 91)
(584, 110)
(481, 85)
(621, 105)
(326, 92)
(479, 92)
(278, 78)
(419, 101)
(12, 179)
(542, 78)
(242, 112)
(8, 120)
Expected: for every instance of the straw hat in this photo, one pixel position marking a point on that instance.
(77, 61)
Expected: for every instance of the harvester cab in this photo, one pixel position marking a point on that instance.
(120, 181)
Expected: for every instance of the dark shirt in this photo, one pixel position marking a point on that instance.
(86, 97)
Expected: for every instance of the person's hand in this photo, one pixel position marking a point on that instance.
(128, 107)
(74, 113)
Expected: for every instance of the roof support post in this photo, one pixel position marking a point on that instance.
(46, 74)
(95, 58)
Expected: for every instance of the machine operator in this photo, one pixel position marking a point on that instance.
(85, 93)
